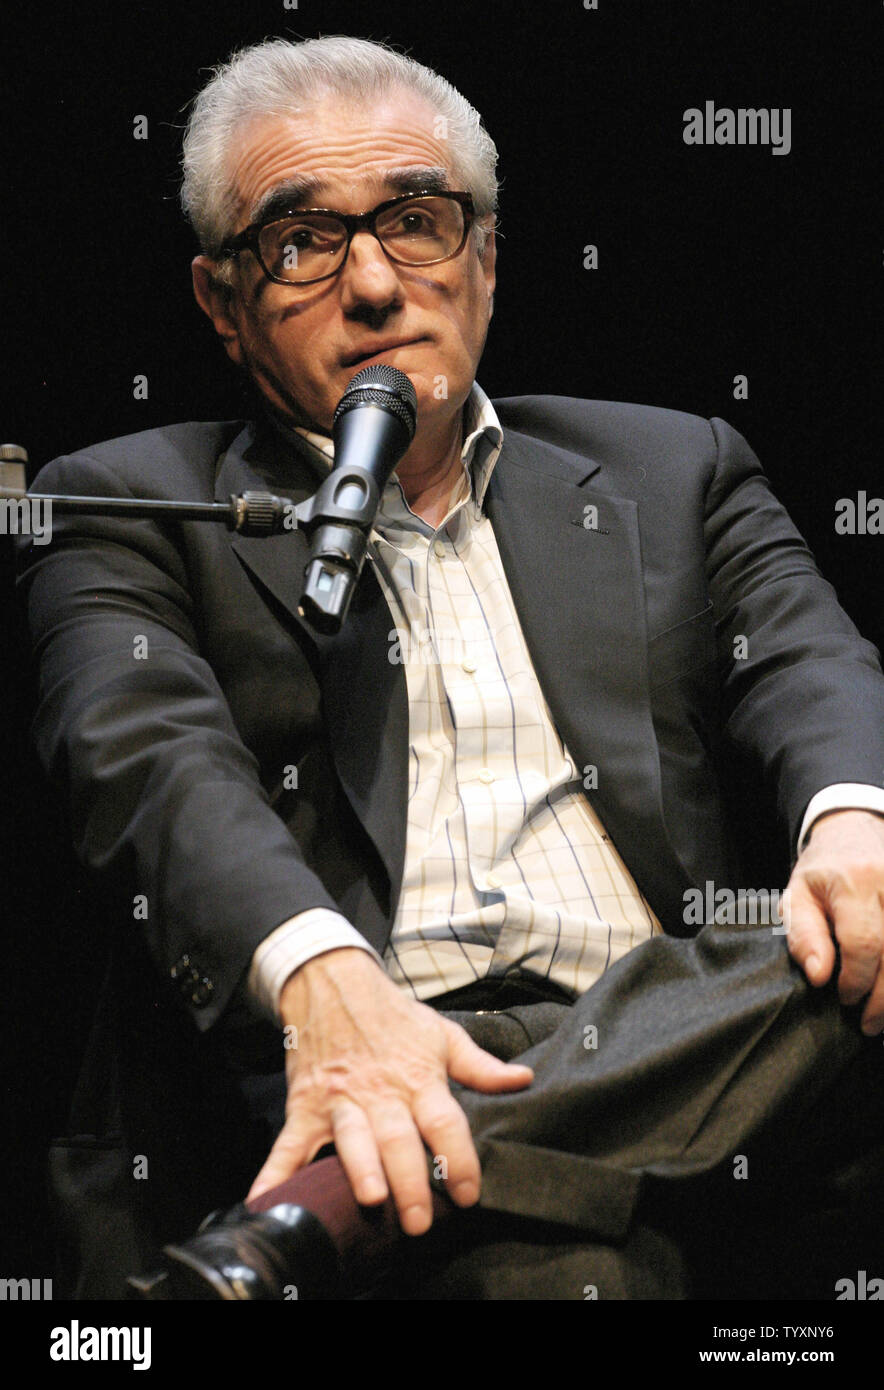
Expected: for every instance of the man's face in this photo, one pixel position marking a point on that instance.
(303, 343)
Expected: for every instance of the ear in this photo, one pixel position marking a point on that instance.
(216, 299)
(489, 268)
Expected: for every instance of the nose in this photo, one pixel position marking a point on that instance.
(368, 276)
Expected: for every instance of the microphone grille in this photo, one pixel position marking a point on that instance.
(385, 386)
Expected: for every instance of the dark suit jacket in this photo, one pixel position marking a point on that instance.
(175, 756)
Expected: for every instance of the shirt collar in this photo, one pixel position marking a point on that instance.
(483, 440)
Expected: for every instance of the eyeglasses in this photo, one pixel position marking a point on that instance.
(301, 246)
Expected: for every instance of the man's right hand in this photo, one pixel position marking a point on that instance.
(370, 1074)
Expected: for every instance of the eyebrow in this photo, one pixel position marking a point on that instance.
(306, 189)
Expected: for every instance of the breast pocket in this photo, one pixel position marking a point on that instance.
(684, 648)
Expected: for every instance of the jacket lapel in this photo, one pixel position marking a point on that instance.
(257, 461)
(364, 695)
(572, 556)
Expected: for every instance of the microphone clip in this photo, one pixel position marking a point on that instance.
(338, 519)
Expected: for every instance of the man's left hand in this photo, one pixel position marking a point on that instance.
(836, 893)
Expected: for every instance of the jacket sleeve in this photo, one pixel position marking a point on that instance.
(133, 723)
(802, 691)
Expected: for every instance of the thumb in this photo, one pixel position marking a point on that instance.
(472, 1066)
(807, 931)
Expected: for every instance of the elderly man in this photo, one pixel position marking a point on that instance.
(454, 843)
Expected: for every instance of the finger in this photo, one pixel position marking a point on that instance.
(297, 1142)
(472, 1066)
(446, 1133)
(808, 935)
(860, 934)
(872, 1021)
(402, 1154)
(358, 1151)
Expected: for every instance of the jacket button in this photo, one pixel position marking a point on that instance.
(201, 992)
(195, 987)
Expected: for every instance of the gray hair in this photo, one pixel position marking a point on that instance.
(279, 77)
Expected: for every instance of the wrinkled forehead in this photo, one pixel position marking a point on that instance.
(342, 154)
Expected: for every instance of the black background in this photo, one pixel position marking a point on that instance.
(712, 262)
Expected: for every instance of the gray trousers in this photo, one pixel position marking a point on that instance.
(702, 1124)
(699, 1104)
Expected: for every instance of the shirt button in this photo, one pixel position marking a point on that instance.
(438, 549)
(468, 666)
(492, 881)
(486, 776)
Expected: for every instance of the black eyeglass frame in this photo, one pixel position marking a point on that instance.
(249, 239)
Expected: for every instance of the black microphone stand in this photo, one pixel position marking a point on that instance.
(347, 500)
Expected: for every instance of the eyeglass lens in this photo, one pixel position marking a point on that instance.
(306, 246)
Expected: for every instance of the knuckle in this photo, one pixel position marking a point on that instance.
(804, 940)
(393, 1130)
(867, 870)
(862, 942)
(302, 1114)
(336, 1082)
(800, 916)
(338, 1088)
(347, 1121)
(441, 1120)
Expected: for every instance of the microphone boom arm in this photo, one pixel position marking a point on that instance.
(374, 421)
(250, 513)
(346, 502)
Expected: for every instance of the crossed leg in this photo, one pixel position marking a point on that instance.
(682, 1092)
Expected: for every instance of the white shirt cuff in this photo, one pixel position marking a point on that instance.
(291, 945)
(842, 796)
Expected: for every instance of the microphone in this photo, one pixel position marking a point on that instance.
(374, 424)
